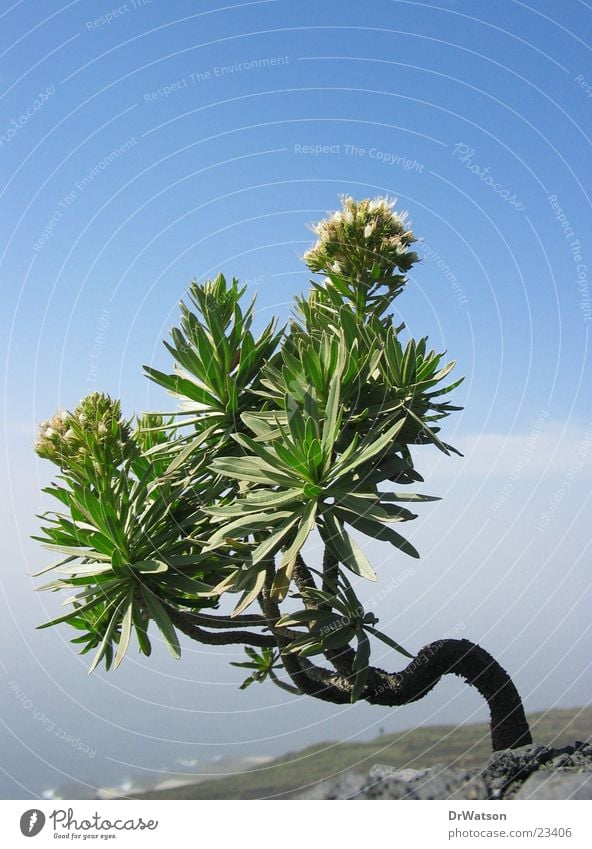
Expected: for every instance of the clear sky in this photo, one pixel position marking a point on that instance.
(149, 143)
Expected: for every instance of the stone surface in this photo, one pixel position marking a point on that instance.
(347, 786)
(529, 772)
(435, 783)
(513, 766)
(379, 771)
(557, 785)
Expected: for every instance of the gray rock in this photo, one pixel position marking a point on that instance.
(514, 765)
(506, 771)
(576, 757)
(379, 771)
(347, 786)
(434, 783)
(384, 782)
(530, 772)
(557, 785)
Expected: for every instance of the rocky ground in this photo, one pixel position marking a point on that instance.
(530, 772)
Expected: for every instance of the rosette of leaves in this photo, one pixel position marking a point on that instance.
(217, 362)
(298, 473)
(263, 665)
(381, 378)
(123, 533)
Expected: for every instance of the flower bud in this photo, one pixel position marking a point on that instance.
(95, 429)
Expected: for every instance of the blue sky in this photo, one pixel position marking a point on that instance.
(148, 143)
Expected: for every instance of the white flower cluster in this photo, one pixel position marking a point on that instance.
(365, 240)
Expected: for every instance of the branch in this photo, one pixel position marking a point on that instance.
(330, 572)
(208, 621)
(309, 679)
(323, 684)
(302, 575)
(186, 623)
(342, 659)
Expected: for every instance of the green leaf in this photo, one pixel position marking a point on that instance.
(259, 424)
(140, 627)
(171, 583)
(53, 566)
(77, 552)
(87, 570)
(406, 496)
(107, 638)
(245, 525)
(305, 647)
(408, 366)
(445, 390)
(312, 366)
(369, 448)
(283, 578)
(258, 499)
(247, 469)
(76, 612)
(388, 641)
(183, 387)
(332, 417)
(273, 542)
(315, 457)
(250, 595)
(295, 419)
(339, 638)
(189, 449)
(97, 588)
(292, 459)
(120, 564)
(126, 630)
(345, 548)
(163, 622)
(428, 432)
(89, 505)
(372, 509)
(306, 527)
(378, 531)
(307, 617)
(270, 459)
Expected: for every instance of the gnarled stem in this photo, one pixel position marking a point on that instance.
(508, 724)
